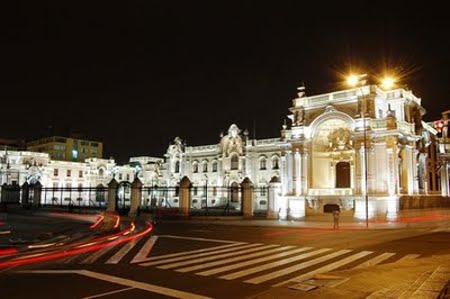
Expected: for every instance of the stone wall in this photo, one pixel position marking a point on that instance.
(423, 202)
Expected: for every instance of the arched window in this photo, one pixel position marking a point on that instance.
(214, 166)
(234, 162)
(195, 167)
(262, 163)
(205, 166)
(177, 166)
(275, 163)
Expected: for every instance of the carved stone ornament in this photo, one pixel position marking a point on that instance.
(232, 142)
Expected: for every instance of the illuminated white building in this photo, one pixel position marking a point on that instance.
(358, 148)
(20, 167)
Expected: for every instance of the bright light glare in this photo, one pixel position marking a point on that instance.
(387, 83)
(352, 80)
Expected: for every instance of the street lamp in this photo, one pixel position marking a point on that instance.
(359, 81)
(388, 82)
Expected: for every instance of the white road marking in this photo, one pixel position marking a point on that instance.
(274, 264)
(408, 257)
(375, 261)
(201, 239)
(297, 267)
(153, 258)
(324, 269)
(145, 250)
(97, 254)
(125, 282)
(214, 257)
(252, 262)
(108, 293)
(122, 252)
(235, 259)
(176, 259)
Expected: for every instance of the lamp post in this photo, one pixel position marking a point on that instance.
(359, 81)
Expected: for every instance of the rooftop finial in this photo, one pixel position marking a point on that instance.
(301, 90)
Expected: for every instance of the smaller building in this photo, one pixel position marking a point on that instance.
(67, 148)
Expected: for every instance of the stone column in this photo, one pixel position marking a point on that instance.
(185, 196)
(37, 194)
(136, 196)
(445, 180)
(289, 172)
(111, 204)
(274, 198)
(305, 169)
(247, 198)
(297, 173)
(25, 194)
(409, 170)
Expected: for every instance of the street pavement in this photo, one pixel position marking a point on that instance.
(253, 259)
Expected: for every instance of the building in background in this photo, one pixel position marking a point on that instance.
(67, 148)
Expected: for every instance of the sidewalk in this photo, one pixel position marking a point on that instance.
(421, 278)
(422, 218)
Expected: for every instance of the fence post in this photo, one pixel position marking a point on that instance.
(274, 198)
(25, 194)
(136, 195)
(247, 198)
(37, 194)
(111, 203)
(185, 196)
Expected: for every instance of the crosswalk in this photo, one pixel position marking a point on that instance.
(252, 263)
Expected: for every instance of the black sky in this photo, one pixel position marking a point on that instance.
(138, 73)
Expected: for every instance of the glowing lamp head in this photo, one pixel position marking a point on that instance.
(352, 80)
(388, 83)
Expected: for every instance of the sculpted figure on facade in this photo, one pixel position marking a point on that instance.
(232, 142)
(340, 139)
(176, 148)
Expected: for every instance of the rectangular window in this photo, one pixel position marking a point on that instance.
(80, 173)
(55, 172)
(55, 184)
(120, 176)
(69, 172)
(68, 185)
(195, 190)
(128, 176)
(94, 144)
(263, 191)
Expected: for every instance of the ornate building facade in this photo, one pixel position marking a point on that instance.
(364, 149)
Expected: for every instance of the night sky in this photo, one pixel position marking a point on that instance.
(139, 73)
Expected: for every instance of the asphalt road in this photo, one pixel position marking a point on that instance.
(185, 260)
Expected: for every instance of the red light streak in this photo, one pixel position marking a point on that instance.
(100, 219)
(58, 255)
(117, 222)
(8, 251)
